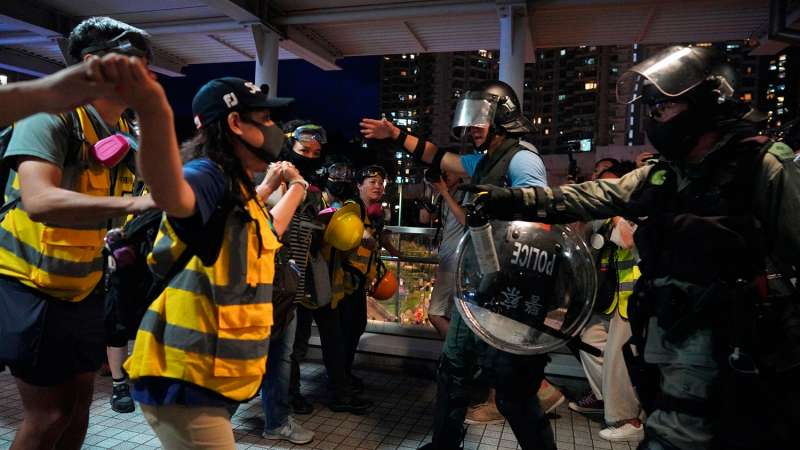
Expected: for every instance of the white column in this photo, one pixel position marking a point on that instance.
(513, 29)
(266, 58)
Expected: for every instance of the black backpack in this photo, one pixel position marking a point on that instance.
(131, 287)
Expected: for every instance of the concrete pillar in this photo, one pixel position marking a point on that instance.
(513, 30)
(266, 58)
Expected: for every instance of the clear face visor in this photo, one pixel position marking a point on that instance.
(307, 133)
(474, 112)
(673, 72)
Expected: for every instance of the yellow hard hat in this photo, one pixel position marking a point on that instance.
(345, 230)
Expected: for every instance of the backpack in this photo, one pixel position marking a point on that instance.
(131, 286)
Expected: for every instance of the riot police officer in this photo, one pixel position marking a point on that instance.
(490, 118)
(719, 243)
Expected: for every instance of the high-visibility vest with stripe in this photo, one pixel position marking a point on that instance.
(211, 325)
(63, 262)
(627, 274)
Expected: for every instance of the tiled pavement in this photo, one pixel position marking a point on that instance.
(401, 419)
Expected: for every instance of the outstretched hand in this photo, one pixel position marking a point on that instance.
(496, 202)
(378, 129)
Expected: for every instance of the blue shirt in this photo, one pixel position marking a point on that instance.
(526, 168)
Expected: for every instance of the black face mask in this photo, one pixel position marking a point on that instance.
(677, 137)
(341, 189)
(271, 145)
(308, 167)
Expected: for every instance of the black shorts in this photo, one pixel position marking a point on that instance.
(46, 341)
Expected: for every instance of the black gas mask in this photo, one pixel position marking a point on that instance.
(271, 145)
(675, 138)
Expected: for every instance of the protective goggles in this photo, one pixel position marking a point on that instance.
(371, 171)
(307, 133)
(130, 43)
(340, 172)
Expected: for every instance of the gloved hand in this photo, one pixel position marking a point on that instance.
(494, 201)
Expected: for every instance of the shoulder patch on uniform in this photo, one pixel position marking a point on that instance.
(781, 151)
(658, 177)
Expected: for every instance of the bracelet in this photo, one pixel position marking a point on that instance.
(301, 182)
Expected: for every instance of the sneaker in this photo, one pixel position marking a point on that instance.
(483, 414)
(355, 405)
(121, 400)
(626, 431)
(550, 397)
(300, 405)
(588, 404)
(291, 432)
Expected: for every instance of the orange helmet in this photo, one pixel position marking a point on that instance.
(385, 285)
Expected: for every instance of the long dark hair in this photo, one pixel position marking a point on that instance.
(214, 141)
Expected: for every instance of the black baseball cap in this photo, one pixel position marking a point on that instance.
(219, 97)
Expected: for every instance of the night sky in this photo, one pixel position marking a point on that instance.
(336, 99)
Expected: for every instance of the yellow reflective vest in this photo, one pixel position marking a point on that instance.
(627, 274)
(63, 262)
(211, 325)
(354, 269)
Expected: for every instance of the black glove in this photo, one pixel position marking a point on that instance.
(496, 202)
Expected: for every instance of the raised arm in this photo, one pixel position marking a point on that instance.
(158, 158)
(423, 151)
(66, 89)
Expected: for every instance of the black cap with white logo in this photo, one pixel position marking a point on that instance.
(219, 97)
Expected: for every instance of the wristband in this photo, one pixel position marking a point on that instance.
(401, 138)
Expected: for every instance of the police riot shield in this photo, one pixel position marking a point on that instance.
(541, 296)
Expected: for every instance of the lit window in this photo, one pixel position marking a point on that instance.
(747, 96)
(3, 80)
(773, 67)
(630, 134)
(732, 46)
(562, 97)
(403, 73)
(547, 131)
(412, 56)
(398, 155)
(563, 51)
(782, 58)
(590, 85)
(703, 44)
(404, 56)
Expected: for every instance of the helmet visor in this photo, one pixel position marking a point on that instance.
(672, 71)
(308, 133)
(474, 111)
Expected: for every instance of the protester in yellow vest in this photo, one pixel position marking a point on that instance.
(62, 199)
(359, 266)
(202, 345)
(612, 392)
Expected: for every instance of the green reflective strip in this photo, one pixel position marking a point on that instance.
(240, 294)
(194, 341)
(49, 264)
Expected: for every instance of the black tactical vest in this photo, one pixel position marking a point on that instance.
(705, 230)
(493, 169)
